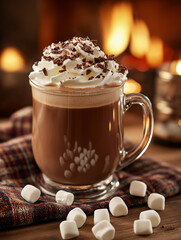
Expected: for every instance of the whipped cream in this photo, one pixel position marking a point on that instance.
(77, 63)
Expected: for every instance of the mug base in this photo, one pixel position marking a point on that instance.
(83, 194)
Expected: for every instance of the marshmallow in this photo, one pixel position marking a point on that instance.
(152, 215)
(101, 214)
(64, 197)
(143, 227)
(68, 229)
(30, 193)
(78, 216)
(138, 188)
(118, 207)
(103, 230)
(156, 201)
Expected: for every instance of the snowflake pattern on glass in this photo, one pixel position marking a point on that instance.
(78, 159)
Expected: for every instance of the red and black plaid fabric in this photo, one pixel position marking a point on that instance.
(17, 168)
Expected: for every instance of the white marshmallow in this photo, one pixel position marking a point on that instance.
(138, 188)
(68, 229)
(156, 201)
(152, 215)
(78, 216)
(104, 230)
(143, 227)
(30, 193)
(118, 207)
(101, 214)
(65, 198)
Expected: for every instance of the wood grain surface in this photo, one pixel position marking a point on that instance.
(170, 227)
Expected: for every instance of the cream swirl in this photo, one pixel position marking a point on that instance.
(77, 63)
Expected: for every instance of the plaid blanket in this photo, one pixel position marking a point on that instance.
(17, 168)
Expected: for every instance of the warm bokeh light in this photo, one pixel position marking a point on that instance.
(109, 126)
(179, 122)
(131, 86)
(11, 60)
(140, 39)
(155, 53)
(116, 24)
(113, 114)
(175, 67)
(178, 67)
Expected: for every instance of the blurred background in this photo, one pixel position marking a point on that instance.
(143, 35)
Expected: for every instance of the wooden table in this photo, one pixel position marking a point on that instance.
(170, 227)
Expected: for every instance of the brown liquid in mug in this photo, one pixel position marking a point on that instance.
(76, 146)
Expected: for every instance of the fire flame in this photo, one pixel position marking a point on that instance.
(116, 27)
(11, 60)
(154, 55)
(142, 45)
(140, 39)
(119, 31)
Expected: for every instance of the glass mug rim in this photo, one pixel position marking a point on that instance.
(54, 90)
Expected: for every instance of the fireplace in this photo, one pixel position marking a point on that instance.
(141, 34)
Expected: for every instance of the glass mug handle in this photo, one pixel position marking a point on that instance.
(140, 148)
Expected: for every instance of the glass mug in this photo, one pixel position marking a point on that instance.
(77, 138)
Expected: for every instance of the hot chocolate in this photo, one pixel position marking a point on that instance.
(78, 144)
(76, 126)
(81, 146)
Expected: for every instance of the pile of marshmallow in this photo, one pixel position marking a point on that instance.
(103, 229)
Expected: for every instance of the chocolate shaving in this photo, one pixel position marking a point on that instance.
(61, 71)
(64, 44)
(75, 56)
(90, 78)
(36, 63)
(88, 71)
(100, 75)
(58, 61)
(84, 64)
(78, 66)
(105, 68)
(48, 58)
(122, 69)
(55, 51)
(99, 59)
(110, 57)
(45, 71)
(94, 42)
(87, 49)
(100, 65)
